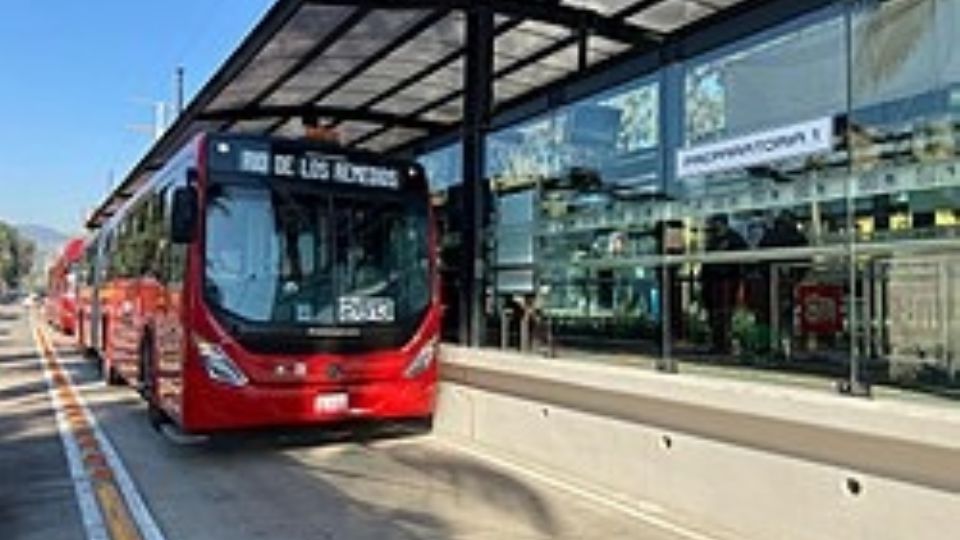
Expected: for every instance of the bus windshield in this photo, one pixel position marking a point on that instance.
(281, 252)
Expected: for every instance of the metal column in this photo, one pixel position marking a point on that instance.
(477, 98)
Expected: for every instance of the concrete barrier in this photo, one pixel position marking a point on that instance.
(739, 459)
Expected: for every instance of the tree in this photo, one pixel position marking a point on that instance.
(16, 257)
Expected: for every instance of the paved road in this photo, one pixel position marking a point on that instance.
(276, 485)
(36, 494)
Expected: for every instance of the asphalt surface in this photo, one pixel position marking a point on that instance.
(355, 484)
(36, 492)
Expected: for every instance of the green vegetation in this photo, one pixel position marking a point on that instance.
(16, 257)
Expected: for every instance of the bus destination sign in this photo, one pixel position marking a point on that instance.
(317, 167)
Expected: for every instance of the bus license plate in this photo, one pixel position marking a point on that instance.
(330, 403)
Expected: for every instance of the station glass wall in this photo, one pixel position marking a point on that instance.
(795, 209)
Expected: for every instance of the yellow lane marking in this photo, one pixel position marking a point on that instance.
(116, 513)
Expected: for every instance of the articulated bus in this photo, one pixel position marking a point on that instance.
(61, 304)
(261, 281)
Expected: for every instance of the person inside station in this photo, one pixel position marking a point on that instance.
(320, 129)
(785, 233)
(721, 283)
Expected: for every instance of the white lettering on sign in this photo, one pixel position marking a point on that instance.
(319, 167)
(314, 168)
(255, 162)
(360, 309)
(757, 148)
(366, 175)
(283, 165)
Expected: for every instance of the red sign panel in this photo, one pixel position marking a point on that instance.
(821, 308)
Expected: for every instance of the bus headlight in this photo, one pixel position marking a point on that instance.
(423, 360)
(219, 366)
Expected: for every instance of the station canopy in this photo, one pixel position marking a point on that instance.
(391, 72)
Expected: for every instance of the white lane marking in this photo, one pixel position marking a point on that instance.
(138, 508)
(635, 511)
(90, 513)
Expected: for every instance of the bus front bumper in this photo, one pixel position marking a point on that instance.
(216, 406)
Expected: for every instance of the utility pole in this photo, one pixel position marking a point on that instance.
(164, 112)
(178, 91)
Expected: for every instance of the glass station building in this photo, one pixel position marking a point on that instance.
(786, 200)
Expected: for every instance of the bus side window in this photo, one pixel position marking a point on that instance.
(151, 237)
(175, 255)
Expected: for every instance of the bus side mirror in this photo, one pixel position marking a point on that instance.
(183, 222)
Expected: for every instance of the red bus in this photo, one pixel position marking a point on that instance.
(60, 305)
(259, 281)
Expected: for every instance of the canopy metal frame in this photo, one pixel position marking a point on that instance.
(601, 34)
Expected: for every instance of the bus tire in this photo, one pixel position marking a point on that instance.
(420, 426)
(155, 416)
(147, 383)
(111, 376)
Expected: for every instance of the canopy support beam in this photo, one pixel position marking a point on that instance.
(477, 100)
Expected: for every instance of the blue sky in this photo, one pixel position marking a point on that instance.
(74, 75)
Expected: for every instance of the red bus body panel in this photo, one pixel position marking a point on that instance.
(373, 382)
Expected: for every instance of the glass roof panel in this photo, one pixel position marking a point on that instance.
(253, 126)
(564, 60)
(432, 45)
(671, 15)
(423, 92)
(600, 49)
(362, 88)
(401, 104)
(605, 7)
(541, 73)
(520, 43)
(448, 112)
(351, 131)
(303, 31)
(436, 41)
(505, 90)
(450, 77)
(290, 128)
(544, 29)
(368, 37)
(527, 79)
(355, 98)
(392, 138)
(441, 83)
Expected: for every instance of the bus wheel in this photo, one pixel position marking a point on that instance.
(145, 380)
(419, 426)
(148, 385)
(156, 416)
(111, 375)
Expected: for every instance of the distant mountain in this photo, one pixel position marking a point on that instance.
(47, 239)
(48, 242)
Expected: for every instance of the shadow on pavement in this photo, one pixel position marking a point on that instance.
(36, 485)
(351, 481)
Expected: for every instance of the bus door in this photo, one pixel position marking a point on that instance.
(169, 308)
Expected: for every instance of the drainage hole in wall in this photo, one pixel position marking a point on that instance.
(545, 412)
(667, 442)
(854, 487)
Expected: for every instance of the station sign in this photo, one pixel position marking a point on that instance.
(309, 165)
(757, 148)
